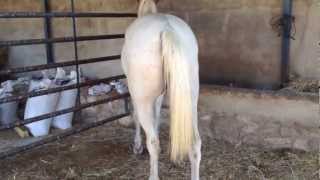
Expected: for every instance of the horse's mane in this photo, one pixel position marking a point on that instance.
(147, 7)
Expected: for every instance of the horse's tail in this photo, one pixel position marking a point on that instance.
(147, 7)
(177, 73)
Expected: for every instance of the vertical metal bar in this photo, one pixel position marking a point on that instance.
(48, 32)
(75, 44)
(285, 49)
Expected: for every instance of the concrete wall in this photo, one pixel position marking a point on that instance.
(31, 55)
(237, 43)
(305, 50)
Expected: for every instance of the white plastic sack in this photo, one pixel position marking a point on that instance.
(7, 110)
(8, 113)
(67, 100)
(7, 87)
(40, 105)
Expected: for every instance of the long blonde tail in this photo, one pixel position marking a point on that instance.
(176, 71)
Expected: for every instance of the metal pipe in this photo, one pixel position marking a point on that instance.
(285, 48)
(49, 40)
(75, 45)
(48, 32)
(59, 89)
(55, 65)
(64, 111)
(65, 15)
(59, 40)
(52, 138)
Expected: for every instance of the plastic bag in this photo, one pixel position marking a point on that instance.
(100, 89)
(120, 87)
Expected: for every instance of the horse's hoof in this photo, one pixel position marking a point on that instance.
(138, 150)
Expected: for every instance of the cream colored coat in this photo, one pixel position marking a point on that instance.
(160, 55)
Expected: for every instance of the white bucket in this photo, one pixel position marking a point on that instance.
(67, 100)
(40, 105)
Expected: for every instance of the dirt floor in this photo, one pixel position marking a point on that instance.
(105, 153)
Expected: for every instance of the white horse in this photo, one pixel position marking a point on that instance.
(160, 55)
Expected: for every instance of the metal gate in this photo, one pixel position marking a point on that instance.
(48, 40)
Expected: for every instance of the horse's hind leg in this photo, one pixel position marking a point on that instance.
(145, 112)
(137, 147)
(157, 109)
(195, 157)
(195, 152)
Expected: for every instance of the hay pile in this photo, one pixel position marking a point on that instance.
(303, 85)
(104, 153)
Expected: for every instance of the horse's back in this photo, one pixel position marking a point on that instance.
(145, 32)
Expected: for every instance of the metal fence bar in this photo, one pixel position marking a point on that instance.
(55, 65)
(75, 46)
(59, 89)
(48, 32)
(286, 37)
(65, 15)
(64, 111)
(49, 41)
(59, 40)
(52, 138)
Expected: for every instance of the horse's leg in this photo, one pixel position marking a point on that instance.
(145, 112)
(195, 152)
(138, 147)
(195, 156)
(157, 109)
